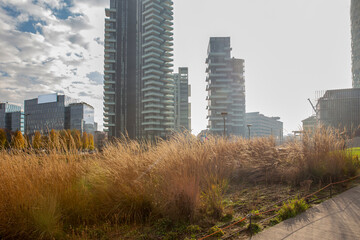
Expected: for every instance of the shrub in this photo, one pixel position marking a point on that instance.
(292, 208)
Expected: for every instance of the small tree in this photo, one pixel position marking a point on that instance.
(3, 139)
(85, 141)
(18, 141)
(37, 141)
(91, 142)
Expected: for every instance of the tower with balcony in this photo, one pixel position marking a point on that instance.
(138, 86)
(182, 103)
(226, 89)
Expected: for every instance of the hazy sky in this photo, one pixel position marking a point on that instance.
(291, 48)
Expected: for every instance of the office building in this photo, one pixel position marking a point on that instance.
(226, 89)
(263, 126)
(45, 113)
(11, 117)
(81, 117)
(58, 112)
(182, 103)
(340, 109)
(355, 34)
(138, 86)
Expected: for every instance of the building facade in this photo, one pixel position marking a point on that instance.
(263, 126)
(81, 117)
(226, 89)
(138, 86)
(355, 35)
(182, 101)
(340, 109)
(11, 117)
(309, 124)
(58, 112)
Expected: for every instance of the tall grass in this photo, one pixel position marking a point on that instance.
(44, 195)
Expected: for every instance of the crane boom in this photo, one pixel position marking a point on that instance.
(312, 105)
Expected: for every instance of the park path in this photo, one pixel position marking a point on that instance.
(336, 218)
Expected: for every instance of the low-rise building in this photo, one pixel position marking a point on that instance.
(58, 112)
(309, 124)
(263, 126)
(11, 117)
(340, 109)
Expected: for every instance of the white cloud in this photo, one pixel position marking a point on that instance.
(60, 54)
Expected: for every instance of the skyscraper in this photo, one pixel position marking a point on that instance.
(226, 89)
(355, 34)
(182, 104)
(138, 86)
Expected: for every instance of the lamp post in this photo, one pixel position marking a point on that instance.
(224, 114)
(249, 126)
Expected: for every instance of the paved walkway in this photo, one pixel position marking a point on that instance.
(336, 218)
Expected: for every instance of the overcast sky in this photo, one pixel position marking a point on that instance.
(291, 48)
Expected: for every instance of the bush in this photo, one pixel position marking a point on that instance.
(292, 208)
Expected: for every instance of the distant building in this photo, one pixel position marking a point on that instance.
(263, 126)
(355, 34)
(182, 103)
(309, 124)
(340, 109)
(81, 117)
(226, 89)
(57, 112)
(11, 117)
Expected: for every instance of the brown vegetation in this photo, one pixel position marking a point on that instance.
(48, 195)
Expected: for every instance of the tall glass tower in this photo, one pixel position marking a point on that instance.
(355, 34)
(138, 86)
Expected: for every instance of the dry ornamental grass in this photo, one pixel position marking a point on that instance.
(46, 194)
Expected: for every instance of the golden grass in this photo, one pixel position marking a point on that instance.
(46, 195)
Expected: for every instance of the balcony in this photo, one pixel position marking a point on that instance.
(108, 11)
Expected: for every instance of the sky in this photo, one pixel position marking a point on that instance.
(291, 48)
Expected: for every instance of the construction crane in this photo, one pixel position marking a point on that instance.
(312, 105)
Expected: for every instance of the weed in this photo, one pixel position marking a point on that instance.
(227, 217)
(219, 232)
(256, 214)
(274, 221)
(254, 228)
(193, 229)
